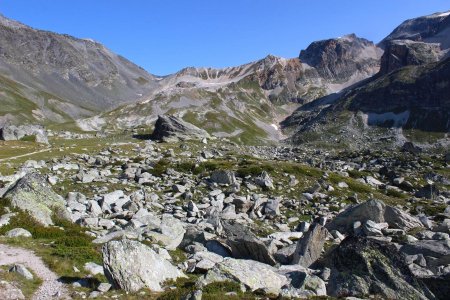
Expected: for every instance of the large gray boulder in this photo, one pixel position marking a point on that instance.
(246, 245)
(33, 194)
(255, 276)
(302, 284)
(15, 133)
(374, 210)
(223, 177)
(171, 128)
(131, 265)
(434, 248)
(169, 233)
(310, 247)
(361, 266)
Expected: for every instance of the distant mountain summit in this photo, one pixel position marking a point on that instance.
(342, 58)
(411, 92)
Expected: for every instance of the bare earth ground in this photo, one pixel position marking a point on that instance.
(51, 288)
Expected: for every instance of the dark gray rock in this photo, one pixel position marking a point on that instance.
(360, 267)
(246, 245)
(171, 128)
(309, 248)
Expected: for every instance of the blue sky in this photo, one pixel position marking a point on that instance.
(165, 36)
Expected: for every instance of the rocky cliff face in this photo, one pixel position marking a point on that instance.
(412, 97)
(60, 76)
(342, 58)
(400, 53)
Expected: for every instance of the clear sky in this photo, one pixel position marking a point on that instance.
(165, 36)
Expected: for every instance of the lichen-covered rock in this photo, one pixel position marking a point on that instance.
(360, 266)
(33, 194)
(255, 276)
(131, 265)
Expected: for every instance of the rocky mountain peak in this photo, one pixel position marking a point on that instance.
(434, 28)
(339, 58)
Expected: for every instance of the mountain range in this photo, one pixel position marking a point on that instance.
(345, 88)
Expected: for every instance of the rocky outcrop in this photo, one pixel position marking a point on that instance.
(33, 194)
(255, 276)
(15, 133)
(376, 211)
(340, 59)
(171, 128)
(245, 245)
(360, 266)
(132, 266)
(400, 53)
(310, 247)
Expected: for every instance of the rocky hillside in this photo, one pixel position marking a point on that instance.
(412, 97)
(246, 103)
(212, 219)
(49, 77)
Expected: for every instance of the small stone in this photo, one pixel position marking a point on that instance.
(18, 232)
(104, 287)
(22, 270)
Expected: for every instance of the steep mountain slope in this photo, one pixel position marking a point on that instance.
(410, 94)
(247, 102)
(433, 28)
(409, 98)
(49, 77)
